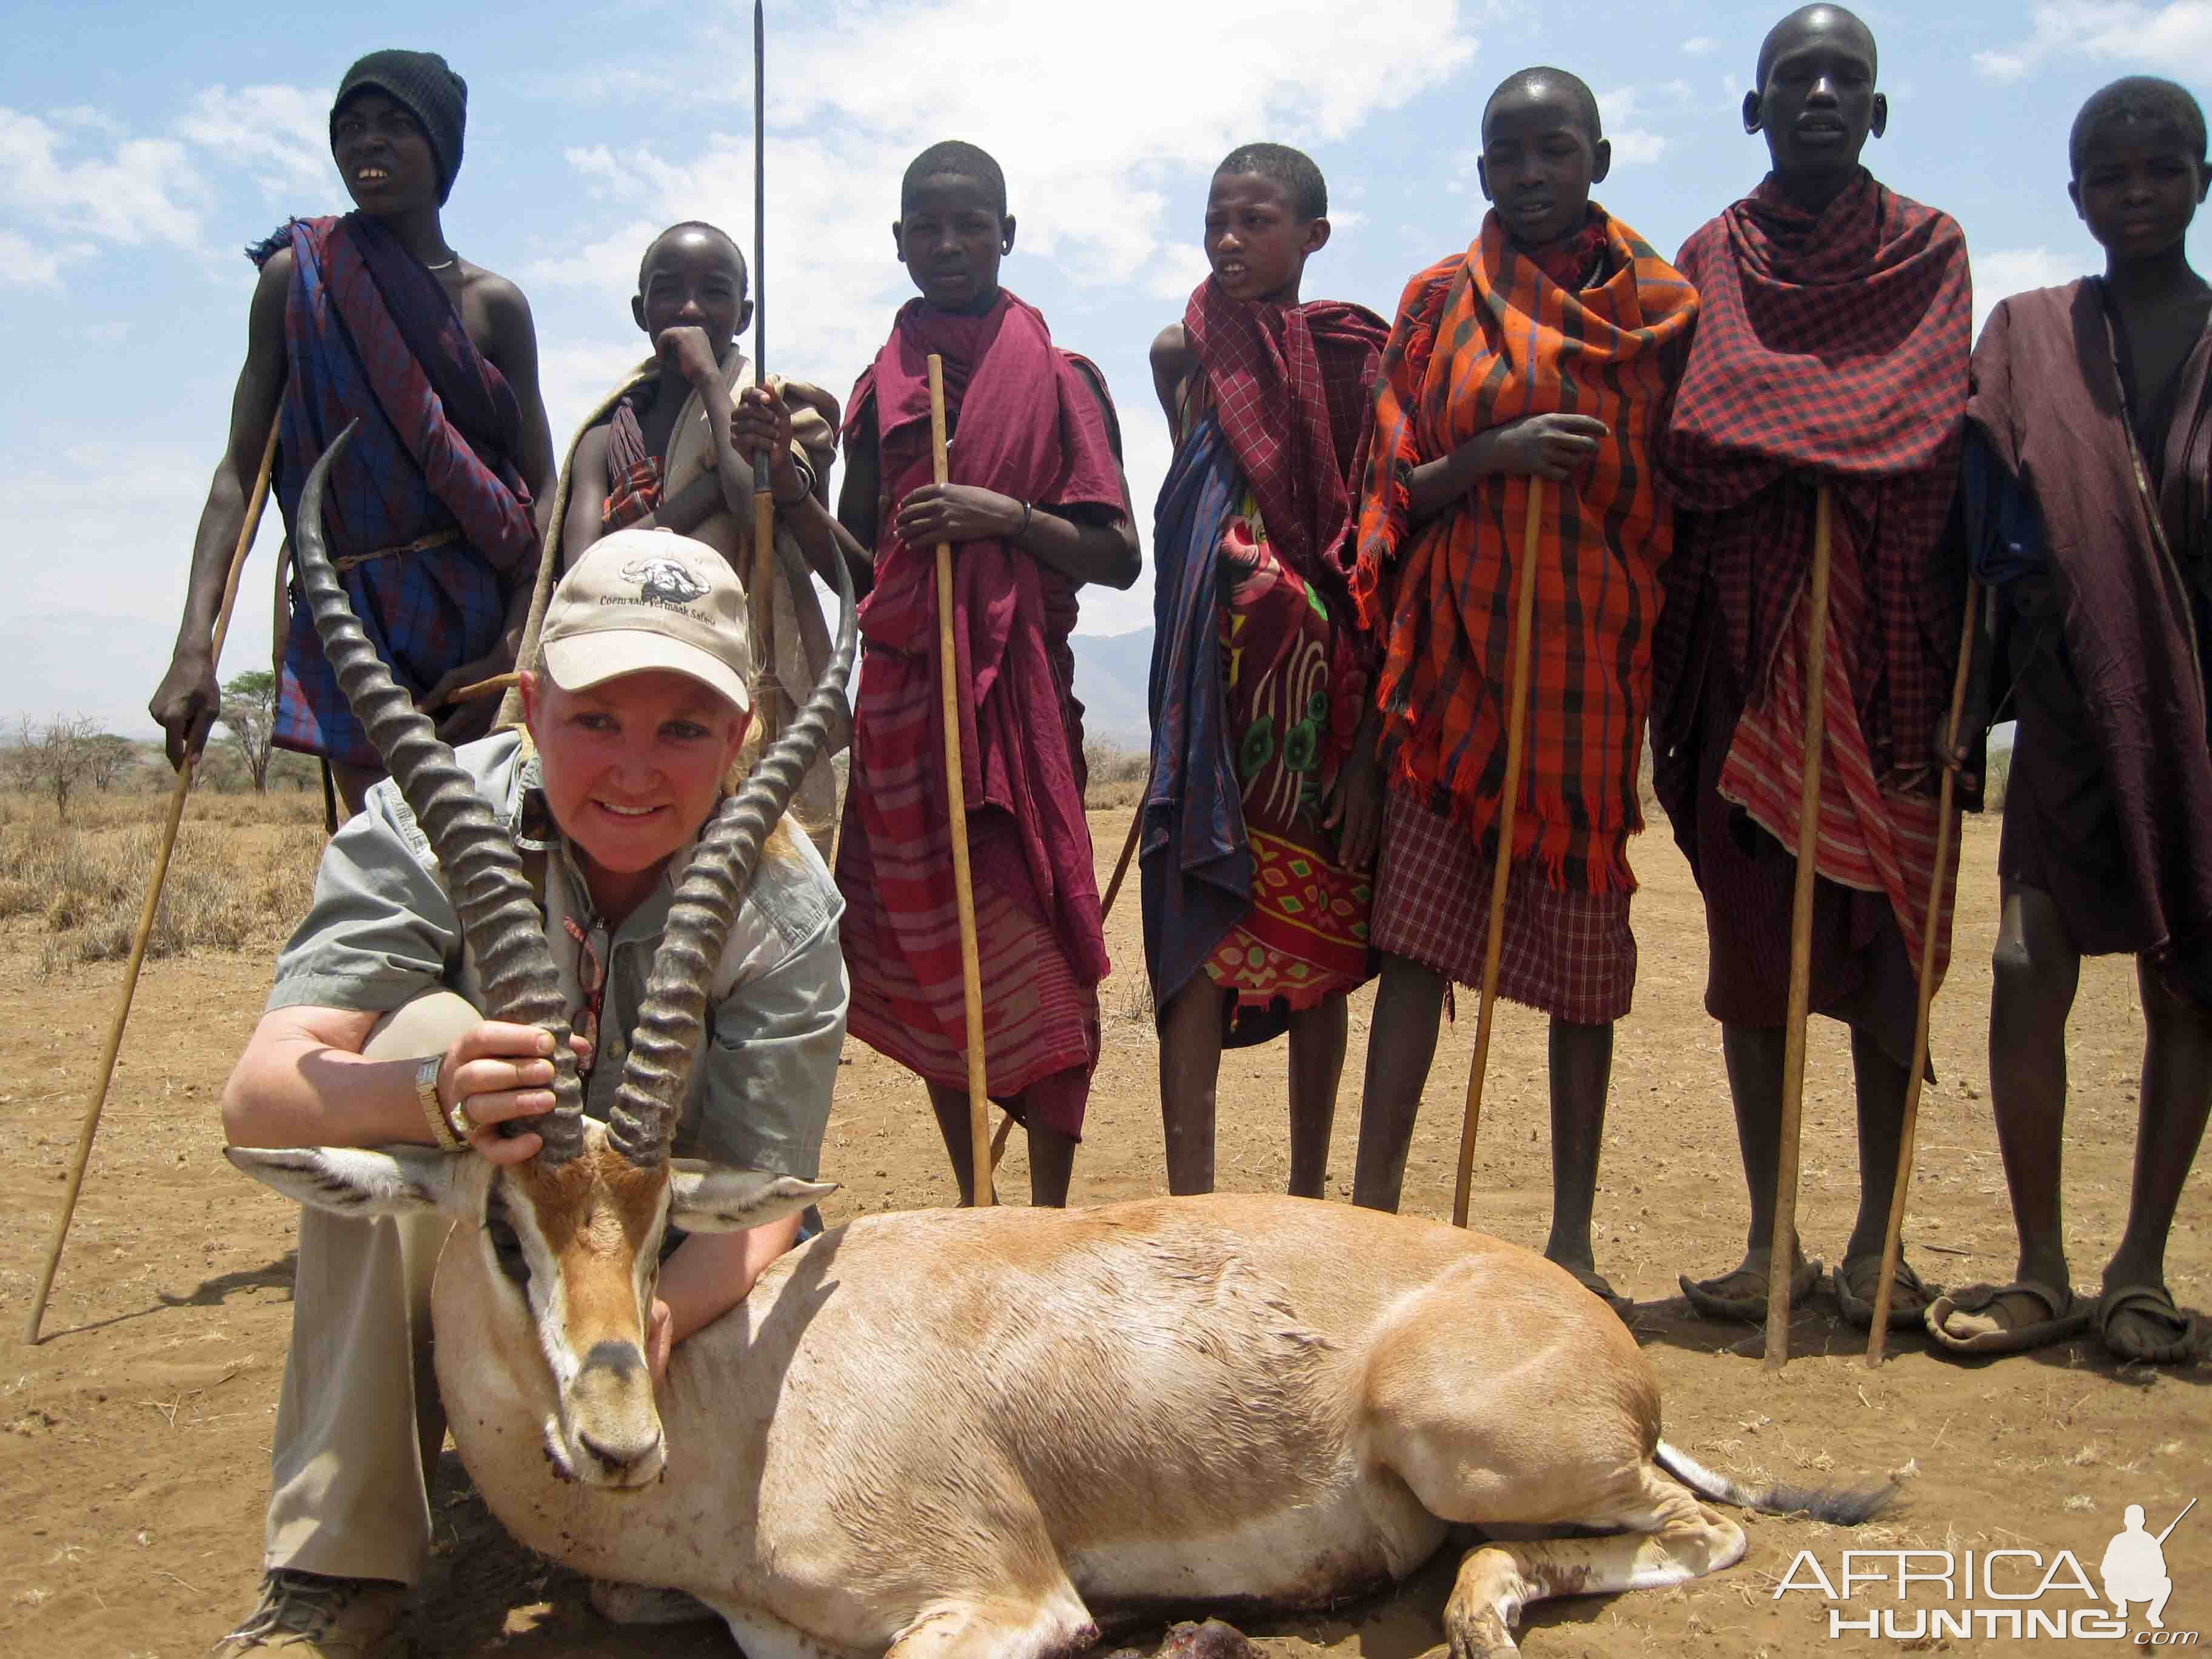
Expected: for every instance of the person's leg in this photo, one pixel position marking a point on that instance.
(1401, 1044)
(1052, 1165)
(1880, 1087)
(2035, 972)
(1582, 1071)
(2175, 1097)
(1317, 1043)
(2155, 1614)
(353, 784)
(1754, 1055)
(358, 1421)
(951, 1106)
(1190, 1071)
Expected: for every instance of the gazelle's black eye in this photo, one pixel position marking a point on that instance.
(506, 1244)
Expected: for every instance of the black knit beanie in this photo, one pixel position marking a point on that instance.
(438, 99)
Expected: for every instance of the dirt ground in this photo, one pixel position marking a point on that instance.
(133, 1461)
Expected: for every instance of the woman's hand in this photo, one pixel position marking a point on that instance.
(957, 512)
(494, 1073)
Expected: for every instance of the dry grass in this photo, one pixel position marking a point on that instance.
(240, 878)
(1117, 776)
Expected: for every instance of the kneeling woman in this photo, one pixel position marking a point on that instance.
(636, 710)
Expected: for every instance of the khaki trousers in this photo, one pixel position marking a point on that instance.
(359, 1425)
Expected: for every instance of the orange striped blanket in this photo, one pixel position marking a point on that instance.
(1483, 339)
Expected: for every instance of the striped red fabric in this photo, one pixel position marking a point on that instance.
(1875, 842)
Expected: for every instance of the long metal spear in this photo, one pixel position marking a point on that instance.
(767, 702)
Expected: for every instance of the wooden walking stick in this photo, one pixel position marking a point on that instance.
(1525, 611)
(148, 912)
(1121, 864)
(1892, 1246)
(956, 813)
(768, 707)
(1784, 1244)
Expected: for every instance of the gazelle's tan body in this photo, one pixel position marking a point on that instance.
(985, 1432)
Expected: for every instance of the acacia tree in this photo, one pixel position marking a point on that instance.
(112, 755)
(54, 756)
(249, 710)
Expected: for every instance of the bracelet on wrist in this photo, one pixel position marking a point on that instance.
(433, 1111)
(1025, 530)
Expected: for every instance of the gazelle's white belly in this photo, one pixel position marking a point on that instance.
(1352, 1537)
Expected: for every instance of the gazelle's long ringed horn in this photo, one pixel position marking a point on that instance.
(650, 1102)
(499, 917)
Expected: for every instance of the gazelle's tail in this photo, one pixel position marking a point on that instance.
(1838, 1509)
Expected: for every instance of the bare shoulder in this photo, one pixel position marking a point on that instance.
(502, 302)
(276, 270)
(1171, 352)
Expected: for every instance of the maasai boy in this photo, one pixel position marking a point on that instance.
(374, 315)
(1254, 918)
(2090, 461)
(1547, 349)
(649, 457)
(1833, 350)
(1037, 507)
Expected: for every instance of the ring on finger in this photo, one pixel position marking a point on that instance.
(462, 1124)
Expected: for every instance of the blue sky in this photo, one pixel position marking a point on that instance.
(141, 147)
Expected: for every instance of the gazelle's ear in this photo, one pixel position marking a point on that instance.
(712, 1198)
(356, 1180)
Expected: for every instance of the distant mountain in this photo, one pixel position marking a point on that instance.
(1111, 673)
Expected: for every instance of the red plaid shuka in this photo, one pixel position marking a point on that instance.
(634, 476)
(1832, 349)
(1317, 363)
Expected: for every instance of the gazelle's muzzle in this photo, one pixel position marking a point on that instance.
(609, 1420)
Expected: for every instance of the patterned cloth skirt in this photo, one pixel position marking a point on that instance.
(1569, 955)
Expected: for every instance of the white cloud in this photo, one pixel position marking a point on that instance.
(1698, 46)
(1182, 267)
(1092, 198)
(1631, 143)
(78, 178)
(2176, 37)
(143, 191)
(279, 134)
(25, 264)
(2006, 271)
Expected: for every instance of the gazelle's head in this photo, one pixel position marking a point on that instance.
(558, 1255)
(556, 1264)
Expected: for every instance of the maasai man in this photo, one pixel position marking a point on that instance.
(442, 491)
(1832, 351)
(1547, 349)
(1037, 507)
(649, 456)
(1254, 918)
(2089, 467)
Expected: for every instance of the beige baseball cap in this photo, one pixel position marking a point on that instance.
(649, 599)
